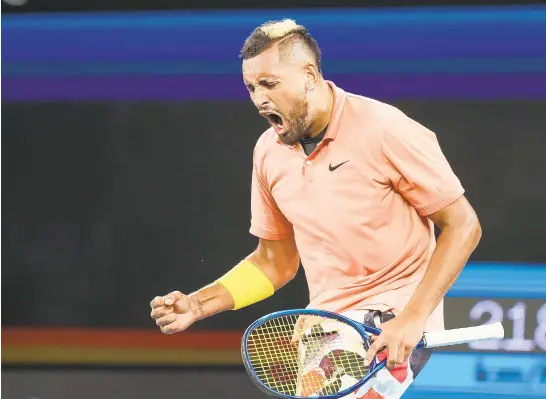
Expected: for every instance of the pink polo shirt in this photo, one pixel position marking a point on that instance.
(357, 206)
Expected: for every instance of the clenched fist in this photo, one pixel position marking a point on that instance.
(173, 312)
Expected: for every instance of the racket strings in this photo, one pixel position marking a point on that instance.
(306, 355)
(273, 355)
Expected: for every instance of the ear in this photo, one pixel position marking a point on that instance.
(312, 76)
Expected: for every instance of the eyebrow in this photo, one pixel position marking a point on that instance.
(262, 79)
(268, 78)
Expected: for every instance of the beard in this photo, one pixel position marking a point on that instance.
(296, 123)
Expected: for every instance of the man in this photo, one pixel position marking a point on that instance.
(353, 187)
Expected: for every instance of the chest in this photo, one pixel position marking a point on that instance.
(337, 180)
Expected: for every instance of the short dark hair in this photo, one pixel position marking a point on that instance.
(285, 31)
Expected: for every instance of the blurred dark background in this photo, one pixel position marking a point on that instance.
(127, 151)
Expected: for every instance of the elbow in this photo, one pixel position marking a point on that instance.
(478, 231)
(286, 273)
(467, 230)
(460, 221)
(291, 271)
(472, 231)
(278, 271)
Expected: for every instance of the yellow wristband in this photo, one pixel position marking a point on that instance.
(247, 284)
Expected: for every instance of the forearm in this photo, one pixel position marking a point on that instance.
(210, 300)
(273, 265)
(216, 298)
(454, 247)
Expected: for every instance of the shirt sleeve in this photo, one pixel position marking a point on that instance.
(267, 220)
(418, 168)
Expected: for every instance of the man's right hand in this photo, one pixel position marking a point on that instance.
(173, 312)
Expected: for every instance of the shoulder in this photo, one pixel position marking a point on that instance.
(366, 122)
(371, 110)
(382, 121)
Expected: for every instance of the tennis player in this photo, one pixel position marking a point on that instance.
(352, 187)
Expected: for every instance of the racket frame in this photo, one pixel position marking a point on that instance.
(363, 329)
(435, 339)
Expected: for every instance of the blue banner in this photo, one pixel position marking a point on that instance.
(445, 53)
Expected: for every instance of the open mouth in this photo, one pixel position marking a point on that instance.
(275, 120)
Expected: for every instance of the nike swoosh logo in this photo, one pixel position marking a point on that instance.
(332, 168)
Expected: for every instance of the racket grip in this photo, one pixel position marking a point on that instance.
(463, 335)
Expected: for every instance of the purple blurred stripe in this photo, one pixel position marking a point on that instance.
(230, 87)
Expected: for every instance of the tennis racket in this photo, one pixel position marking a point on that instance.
(304, 353)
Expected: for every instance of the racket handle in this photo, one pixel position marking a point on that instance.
(463, 335)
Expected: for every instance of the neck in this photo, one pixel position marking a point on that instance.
(324, 111)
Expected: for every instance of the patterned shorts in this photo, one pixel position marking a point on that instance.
(386, 383)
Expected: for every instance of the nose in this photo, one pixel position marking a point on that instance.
(260, 98)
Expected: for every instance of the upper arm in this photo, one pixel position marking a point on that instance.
(459, 213)
(278, 259)
(267, 221)
(417, 167)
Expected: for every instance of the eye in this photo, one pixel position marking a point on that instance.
(270, 84)
(250, 88)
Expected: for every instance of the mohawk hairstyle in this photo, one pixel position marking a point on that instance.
(285, 31)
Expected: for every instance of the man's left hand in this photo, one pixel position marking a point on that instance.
(400, 336)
